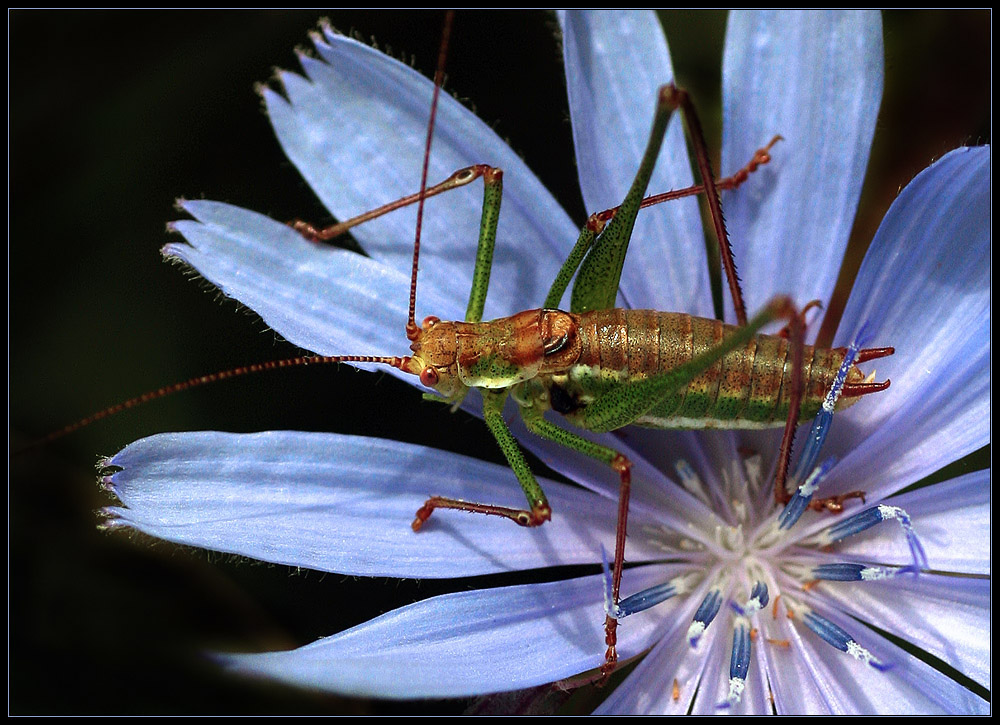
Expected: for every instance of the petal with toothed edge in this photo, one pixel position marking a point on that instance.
(345, 504)
(951, 519)
(924, 287)
(467, 643)
(355, 128)
(612, 113)
(815, 78)
(327, 301)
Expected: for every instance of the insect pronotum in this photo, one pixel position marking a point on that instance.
(72, 223)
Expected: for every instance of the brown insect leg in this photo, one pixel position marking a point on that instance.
(835, 504)
(457, 179)
(761, 156)
(539, 514)
(796, 335)
(679, 98)
(624, 468)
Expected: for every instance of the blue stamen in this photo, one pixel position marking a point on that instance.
(758, 597)
(849, 572)
(638, 602)
(803, 495)
(854, 525)
(828, 631)
(645, 599)
(838, 572)
(877, 514)
(823, 419)
(709, 607)
(837, 637)
(739, 663)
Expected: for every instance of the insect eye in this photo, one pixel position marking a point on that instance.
(430, 320)
(429, 377)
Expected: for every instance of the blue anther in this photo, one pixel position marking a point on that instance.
(707, 610)
(710, 606)
(803, 495)
(842, 572)
(645, 599)
(739, 664)
(759, 594)
(836, 637)
(828, 631)
(877, 514)
(823, 419)
(637, 602)
(855, 524)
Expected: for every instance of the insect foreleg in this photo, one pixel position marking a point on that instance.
(492, 195)
(540, 511)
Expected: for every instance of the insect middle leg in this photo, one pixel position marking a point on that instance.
(539, 511)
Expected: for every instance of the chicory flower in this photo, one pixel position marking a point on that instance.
(704, 537)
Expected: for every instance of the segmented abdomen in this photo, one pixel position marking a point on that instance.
(749, 387)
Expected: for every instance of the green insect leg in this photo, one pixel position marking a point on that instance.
(492, 196)
(540, 511)
(623, 466)
(597, 283)
(583, 244)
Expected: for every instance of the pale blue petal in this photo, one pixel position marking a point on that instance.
(468, 643)
(345, 504)
(951, 519)
(714, 688)
(648, 689)
(909, 687)
(796, 690)
(356, 131)
(924, 287)
(944, 615)
(815, 78)
(612, 111)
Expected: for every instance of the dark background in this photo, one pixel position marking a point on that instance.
(115, 114)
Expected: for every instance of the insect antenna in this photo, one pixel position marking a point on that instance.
(300, 361)
(412, 329)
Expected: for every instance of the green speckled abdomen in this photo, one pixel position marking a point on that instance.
(747, 388)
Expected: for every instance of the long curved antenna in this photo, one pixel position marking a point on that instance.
(396, 362)
(412, 329)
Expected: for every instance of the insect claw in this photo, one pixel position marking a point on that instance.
(835, 504)
(306, 229)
